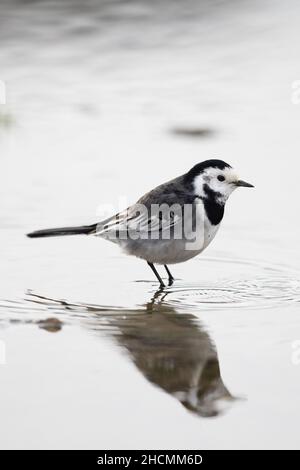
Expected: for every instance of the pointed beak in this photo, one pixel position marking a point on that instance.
(243, 184)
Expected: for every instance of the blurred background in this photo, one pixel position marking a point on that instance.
(104, 100)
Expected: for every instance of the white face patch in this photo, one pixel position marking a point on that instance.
(210, 177)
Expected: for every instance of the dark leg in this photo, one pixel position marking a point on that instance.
(156, 274)
(171, 278)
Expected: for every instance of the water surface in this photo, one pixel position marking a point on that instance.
(104, 101)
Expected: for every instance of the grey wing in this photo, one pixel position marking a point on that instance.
(157, 213)
(139, 222)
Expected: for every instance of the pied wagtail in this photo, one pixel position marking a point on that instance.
(172, 223)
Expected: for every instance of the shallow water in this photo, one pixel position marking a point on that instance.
(103, 103)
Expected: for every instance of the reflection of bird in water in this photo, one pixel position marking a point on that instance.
(171, 349)
(174, 352)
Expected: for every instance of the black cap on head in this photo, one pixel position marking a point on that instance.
(200, 167)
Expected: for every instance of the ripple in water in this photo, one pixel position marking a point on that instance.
(266, 286)
(252, 285)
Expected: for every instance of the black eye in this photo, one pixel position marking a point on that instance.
(221, 178)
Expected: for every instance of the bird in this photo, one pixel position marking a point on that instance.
(173, 222)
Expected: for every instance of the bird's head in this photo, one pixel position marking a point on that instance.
(214, 178)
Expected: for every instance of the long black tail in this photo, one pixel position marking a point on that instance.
(59, 232)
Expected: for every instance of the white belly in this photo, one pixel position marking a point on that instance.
(174, 251)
